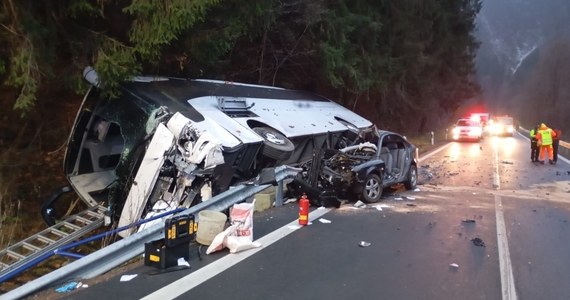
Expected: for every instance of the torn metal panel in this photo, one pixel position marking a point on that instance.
(177, 154)
(146, 177)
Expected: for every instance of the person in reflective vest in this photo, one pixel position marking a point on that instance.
(544, 137)
(534, 144)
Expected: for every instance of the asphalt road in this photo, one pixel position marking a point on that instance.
(485, 223)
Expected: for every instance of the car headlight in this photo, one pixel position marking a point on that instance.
(455, 131)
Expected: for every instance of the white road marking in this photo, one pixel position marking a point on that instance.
(434, 152)
(194, 279)
(505, 266)
(496, 177)
(507, 277)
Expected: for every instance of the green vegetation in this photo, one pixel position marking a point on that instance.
(405, 65)
(384, 59)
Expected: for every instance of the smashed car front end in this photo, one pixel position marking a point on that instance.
(335, 174)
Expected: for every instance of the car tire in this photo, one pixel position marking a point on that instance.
(412, 180)
(275, 145)
(372, 188)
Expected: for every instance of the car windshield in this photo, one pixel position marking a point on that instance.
(466, 122)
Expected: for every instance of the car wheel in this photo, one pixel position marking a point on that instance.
(412, 180)
(372, 190)
(276, 145)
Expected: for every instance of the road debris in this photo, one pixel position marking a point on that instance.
(454, 265)
(398, 198)
(416, 190)
(410, 204)
(507, 162)
(359, 204)
(364, 244)
(182, 262)
(128, 277)
(478, 242)
(409, 198)
(325, 221)
(380, 206)
(468, 221)
(68, 287)
(290, 200)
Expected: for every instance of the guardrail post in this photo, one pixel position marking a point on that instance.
(279, 193)
(432, 141)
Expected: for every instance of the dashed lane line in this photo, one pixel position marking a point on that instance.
(507, 278)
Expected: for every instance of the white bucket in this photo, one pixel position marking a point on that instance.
(210, 223)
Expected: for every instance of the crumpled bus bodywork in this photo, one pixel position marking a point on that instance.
(169, 142)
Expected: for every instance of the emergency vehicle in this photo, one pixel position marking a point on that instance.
(503, 126)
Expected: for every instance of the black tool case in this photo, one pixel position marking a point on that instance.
(164, 253)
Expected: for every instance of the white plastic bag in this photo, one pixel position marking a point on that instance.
(238, 236)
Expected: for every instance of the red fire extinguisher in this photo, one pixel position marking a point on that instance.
(304, 210)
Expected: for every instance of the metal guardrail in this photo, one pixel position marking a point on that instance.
(124, 250)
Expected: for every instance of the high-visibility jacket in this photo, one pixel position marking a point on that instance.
(532, 133)
(545, 137)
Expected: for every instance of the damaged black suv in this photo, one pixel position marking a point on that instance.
(379, 159)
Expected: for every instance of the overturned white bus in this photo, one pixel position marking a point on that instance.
(170, 142)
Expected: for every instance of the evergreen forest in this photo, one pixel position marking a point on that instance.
(407, 65)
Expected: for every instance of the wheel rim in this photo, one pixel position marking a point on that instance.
(413, 176)
(372, 188)
(273, 138)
